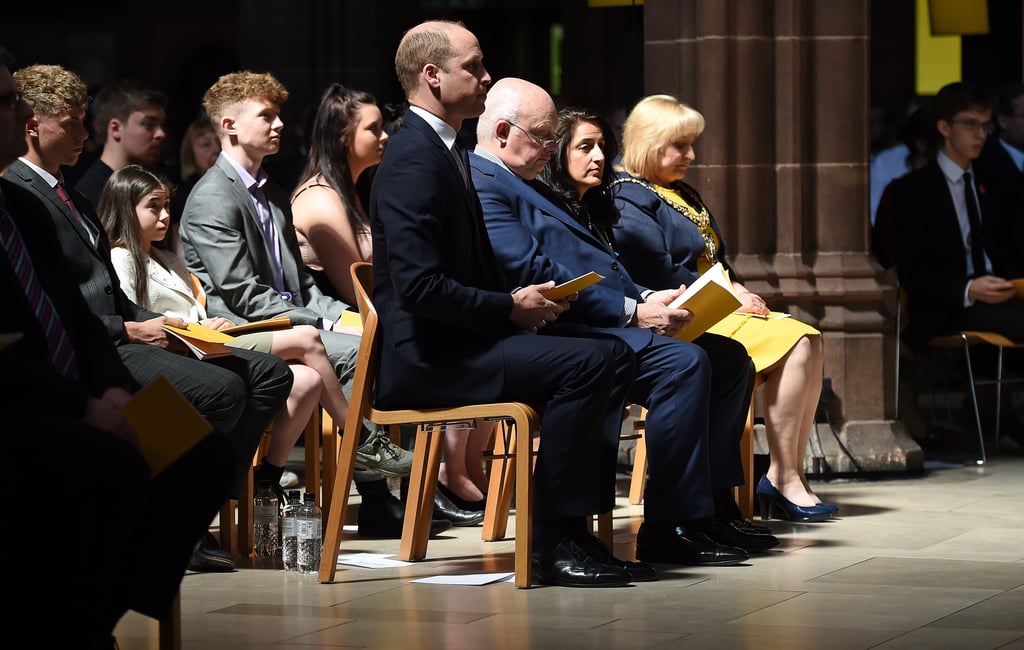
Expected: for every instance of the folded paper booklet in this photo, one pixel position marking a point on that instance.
(267, 325)
(575, 285)
(351, 318)
(165, 423)
(202, 341)
(1019, 283)
(710, 298)
(6, 338)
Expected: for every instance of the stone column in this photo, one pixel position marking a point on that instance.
(783, 165)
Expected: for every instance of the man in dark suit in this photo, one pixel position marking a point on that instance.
(239, 394)
(61, 386)
(951, 256)
(692, 441)
(453, 334)
(1001, 164)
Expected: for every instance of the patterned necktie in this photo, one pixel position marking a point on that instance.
(62, 353)
(82, 221)
(976, 239)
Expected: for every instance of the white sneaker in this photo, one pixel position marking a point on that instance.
(289, 479)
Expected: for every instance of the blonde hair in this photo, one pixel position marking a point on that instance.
(195, 130)
(50, 89)
(236, 87)
(655, 121)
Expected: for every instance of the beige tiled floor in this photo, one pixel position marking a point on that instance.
(932, 562)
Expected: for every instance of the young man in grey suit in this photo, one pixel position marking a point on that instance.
(240, 242)
(239, 394)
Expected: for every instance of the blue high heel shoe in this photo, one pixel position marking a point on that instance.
(772, 501)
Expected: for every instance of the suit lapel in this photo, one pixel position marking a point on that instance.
(54, 203)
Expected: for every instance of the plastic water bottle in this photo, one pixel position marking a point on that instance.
(290, 532)
(265, 521)
(310, 527)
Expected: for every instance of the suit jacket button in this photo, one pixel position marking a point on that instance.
(108, 289)
(615, 266)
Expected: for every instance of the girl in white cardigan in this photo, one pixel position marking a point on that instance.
(135, 211)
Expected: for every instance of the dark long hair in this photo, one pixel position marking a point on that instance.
(122, 192)
(597, 203)
(336, 120)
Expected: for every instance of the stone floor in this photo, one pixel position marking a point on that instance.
(932, 561)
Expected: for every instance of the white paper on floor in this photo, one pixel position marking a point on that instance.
(371, 560)
(472, 579)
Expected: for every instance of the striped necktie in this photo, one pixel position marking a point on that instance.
(61, 351)
(82, 221)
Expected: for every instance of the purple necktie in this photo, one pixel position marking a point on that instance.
(62, 353)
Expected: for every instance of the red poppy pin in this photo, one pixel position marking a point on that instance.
(982, 190)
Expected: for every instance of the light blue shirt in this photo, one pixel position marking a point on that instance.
(955, 181)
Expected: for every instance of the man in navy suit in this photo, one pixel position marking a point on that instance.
(454, 334)
(697, 395)
(952, 255)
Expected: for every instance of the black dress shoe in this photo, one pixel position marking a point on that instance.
(445, 509)
(472, 506)
(747, 526)
(207, 558)
(383, 517)
(732, 533)
(679, 545)
(638, 571)
(569, 565)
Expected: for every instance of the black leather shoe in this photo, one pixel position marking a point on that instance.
(569, 565)
(732, 534)
(747, 526)
(472, 506)
(679, 545)
(638, 571)
(383, 517)
(445, 509)
(207, 558)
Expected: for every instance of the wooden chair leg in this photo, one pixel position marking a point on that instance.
(524, 502)
(229, 527)
(329, 448)
(499, 491)
(170, 626)
(639, 478)
(744, 494)
(311, 436)
(339, 497)
(605, 531)
(419, 505)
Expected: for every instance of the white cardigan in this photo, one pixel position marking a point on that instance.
(170, 292)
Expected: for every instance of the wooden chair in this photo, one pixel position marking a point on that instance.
(427, 452)
(237, 537)
(744, 494)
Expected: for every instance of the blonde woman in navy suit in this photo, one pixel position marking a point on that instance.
(135, 211)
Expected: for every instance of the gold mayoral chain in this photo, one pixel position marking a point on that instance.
(700, 219)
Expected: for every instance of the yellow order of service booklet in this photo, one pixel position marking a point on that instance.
(202, 341)
(709, 298)
(165, 423)
(1019, 284)
(281, 322)
(575, 285)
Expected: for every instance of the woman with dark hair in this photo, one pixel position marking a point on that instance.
(330, 221)
(667, 237)
(135, 211)
(334, 231)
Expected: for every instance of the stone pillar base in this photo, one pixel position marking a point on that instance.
(862, 446)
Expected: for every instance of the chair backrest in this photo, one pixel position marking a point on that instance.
(369, 347)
